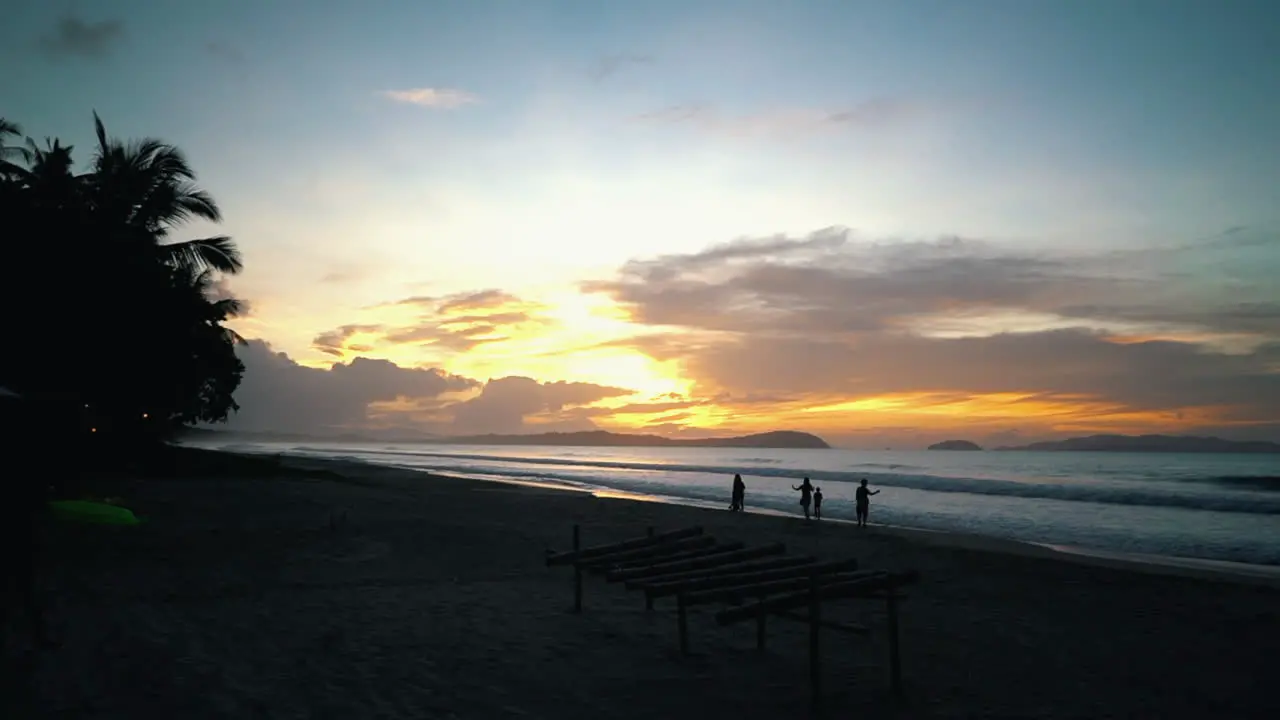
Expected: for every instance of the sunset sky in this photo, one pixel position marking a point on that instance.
(888, 223)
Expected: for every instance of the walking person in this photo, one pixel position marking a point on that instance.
(739, 494)
(817, 503)
(806, 494)
(863, 497)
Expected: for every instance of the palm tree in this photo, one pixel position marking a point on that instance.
(117, 318)
(148, 187)
(8, 129)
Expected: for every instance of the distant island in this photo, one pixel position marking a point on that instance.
(1150, 443)
(780, 439)
(955, 445)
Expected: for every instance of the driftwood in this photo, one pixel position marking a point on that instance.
(695, 584)
(628, 557)
(732, 569)
(717, 550)
(601, 551)
(791, 601)
(698, 563)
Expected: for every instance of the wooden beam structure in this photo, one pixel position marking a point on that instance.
(754, 582)
(599, 551)
(742, 567)
(715, 550)
(697, 563)
(671, 549)
(861, 586)
(737, 594)
(699, 583)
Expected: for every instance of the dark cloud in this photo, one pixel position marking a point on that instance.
(380, 397)
(825, 283)
(73, 37)
(827, 316)
(505, 403)
(280, 395)
(335, 342)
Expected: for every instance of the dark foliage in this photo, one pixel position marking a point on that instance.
(112, 327)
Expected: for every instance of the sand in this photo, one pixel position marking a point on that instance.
(237, 599)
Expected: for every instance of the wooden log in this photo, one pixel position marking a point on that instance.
(742, 567)
(738, 593)
(573, 556)
(688, 554)
(577, 572)
(698, 563)
(627, 557)
(698, 584)
(837, 591)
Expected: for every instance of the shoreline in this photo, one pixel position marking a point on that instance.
(268, 586)
(1169, 565)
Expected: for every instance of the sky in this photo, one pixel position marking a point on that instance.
(887, 223)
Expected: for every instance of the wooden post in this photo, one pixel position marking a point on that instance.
(648, 599)
(815, 657)
(682, 622)
(895, 661)
(760, 619)
(577, 571)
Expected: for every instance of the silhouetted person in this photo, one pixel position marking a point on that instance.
(863, 497)
(817, 503)
(806, 493)
(739, 494)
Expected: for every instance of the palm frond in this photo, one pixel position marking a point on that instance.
(215, 253)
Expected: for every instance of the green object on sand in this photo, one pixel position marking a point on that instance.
(88, 511)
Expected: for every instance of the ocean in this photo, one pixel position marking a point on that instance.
(1217, 507)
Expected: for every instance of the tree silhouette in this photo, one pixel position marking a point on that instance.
(112, 322)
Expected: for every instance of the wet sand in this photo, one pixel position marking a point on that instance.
(237, 599)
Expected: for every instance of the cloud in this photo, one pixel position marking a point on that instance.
(220, 289)
(336, 342)
(872, 114)
(505, 403)
(610, 65)
(73, 37)
(454, 323)
(279, 395)
(441, 98)
(830, 318)
(377, 396)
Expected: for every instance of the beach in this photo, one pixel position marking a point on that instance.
(323, 589)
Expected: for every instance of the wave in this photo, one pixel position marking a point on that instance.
(1237, 501)
(1266, 482)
